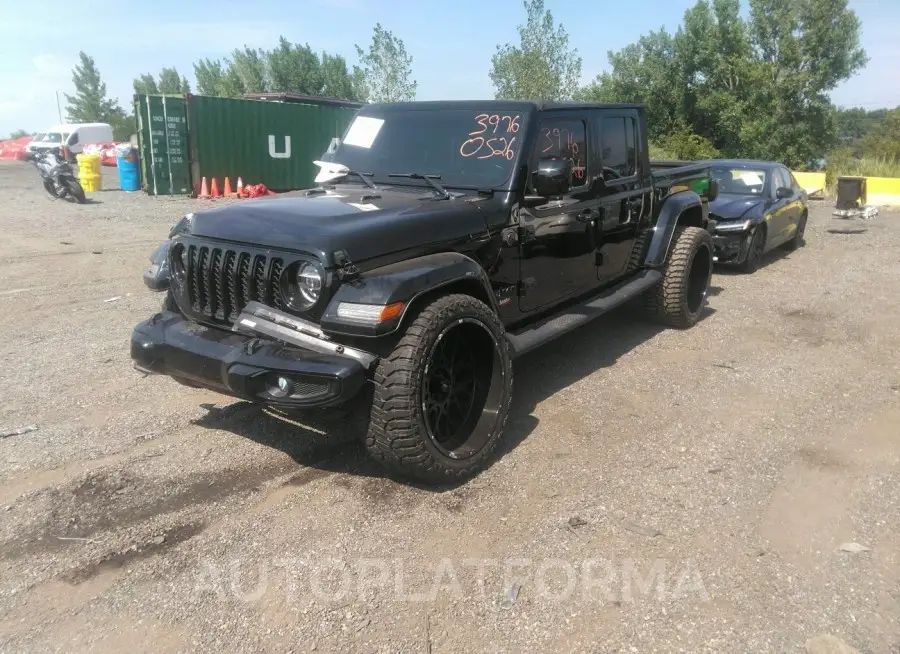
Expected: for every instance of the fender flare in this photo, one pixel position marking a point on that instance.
(404, 281)
(671, 211)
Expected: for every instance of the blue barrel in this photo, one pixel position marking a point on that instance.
(129, 172)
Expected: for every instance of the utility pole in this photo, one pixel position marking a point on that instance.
(58, 108)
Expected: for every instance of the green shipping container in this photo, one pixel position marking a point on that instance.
(273, 143)
(163, 144)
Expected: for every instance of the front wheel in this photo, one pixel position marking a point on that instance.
(755, 250)
(678, 300)
(50, 188)
(75, 190)
(442, 396)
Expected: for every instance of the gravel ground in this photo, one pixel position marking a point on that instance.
(658, 490)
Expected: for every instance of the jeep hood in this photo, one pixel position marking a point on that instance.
(364, 223)
(733, 207)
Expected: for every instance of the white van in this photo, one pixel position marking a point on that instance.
(74, 136)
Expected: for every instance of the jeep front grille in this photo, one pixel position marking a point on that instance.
(220, 282)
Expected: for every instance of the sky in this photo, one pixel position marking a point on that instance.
(451, 43)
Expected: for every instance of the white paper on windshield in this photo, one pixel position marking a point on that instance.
(751, 178)
(363, 131)
(364, 207)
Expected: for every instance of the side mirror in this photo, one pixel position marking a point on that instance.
(553, 177)
(713, 189)
(783, 193)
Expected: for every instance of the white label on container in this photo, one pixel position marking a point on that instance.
(363, 131)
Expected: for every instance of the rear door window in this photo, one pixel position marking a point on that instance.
(618, 136)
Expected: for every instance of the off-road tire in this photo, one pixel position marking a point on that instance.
(668, 301)
(799, 236)
(398, 435)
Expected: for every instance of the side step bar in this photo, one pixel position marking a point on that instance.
(573, 317)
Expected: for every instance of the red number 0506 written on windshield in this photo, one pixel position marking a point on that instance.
(495, 138)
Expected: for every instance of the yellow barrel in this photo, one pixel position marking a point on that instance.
(90, 183)
(90, 172)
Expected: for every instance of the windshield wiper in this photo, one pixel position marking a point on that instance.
(364, 177)
(429, 179)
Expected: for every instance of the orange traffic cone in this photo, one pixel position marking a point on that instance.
(204, 191)
(227, 190)
(240, 186)
(214, 191)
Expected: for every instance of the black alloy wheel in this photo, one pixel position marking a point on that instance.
(755, 251)
(462, 388)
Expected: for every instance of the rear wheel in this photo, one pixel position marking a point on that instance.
(678, 300)
(442, 396)
(75, 190)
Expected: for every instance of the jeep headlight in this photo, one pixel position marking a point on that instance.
(305, 287)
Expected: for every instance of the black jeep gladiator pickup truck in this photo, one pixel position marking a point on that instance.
(444, 239)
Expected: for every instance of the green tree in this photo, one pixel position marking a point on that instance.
(753, 87)
(541, 67)
(17, 134)
(170, 82)
(294, 68)
(884, 141)
(250, 66)
(685, 145)
(210, 74)
(90, 103)
(123, 127)
(338, 82)
(145, 85)
(386, 69)
(643, 72)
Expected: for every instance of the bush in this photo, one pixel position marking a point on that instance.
(688, 146)
(658, 153)
(839, 164)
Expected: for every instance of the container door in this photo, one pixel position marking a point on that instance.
(163, 142)
(273, 143)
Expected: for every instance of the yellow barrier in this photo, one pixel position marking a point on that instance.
(883, 191)
(810, 182)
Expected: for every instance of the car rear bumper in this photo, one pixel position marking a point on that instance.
(245, 366)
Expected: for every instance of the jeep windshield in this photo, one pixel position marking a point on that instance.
(468, 148)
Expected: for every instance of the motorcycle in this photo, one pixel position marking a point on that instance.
(57, 175)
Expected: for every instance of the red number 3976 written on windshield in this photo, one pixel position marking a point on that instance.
(494, 139)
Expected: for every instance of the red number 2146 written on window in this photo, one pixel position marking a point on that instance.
(495, 138)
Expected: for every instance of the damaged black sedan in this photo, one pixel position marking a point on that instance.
(760, 207)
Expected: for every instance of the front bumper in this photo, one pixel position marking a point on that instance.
(246, 365)
(730, 247)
